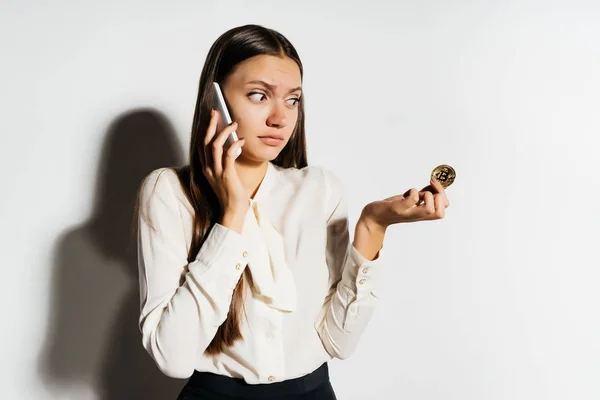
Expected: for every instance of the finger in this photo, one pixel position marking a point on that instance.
(231, 155)
(407, 201)
(427, 208)
(426, 189)
(208, 137)
(441, 190)
(412, 196)
(446, 202)
(440, 207)
(218, 144)
(225, 132)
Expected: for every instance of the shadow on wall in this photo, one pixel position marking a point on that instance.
(94, 348)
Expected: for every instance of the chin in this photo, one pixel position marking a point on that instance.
(262, 155)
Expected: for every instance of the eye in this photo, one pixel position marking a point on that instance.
(294, 101)
(256, 96)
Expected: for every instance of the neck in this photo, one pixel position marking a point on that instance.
(251, 174)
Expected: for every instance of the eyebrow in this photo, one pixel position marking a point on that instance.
(272, 87)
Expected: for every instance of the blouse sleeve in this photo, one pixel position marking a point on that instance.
(349, 306)
(182, 304)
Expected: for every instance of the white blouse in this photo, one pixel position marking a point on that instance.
(313, 292)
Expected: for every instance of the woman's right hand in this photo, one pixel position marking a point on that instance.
(220, 171)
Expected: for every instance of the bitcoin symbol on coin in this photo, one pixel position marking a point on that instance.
(444, 174)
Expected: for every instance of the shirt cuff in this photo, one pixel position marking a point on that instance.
(360, 274)
(220, 261)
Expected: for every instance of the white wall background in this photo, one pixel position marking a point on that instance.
(497, 301)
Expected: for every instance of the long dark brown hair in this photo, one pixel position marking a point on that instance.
(230, 49)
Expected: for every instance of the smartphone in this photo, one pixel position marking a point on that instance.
(224, 116)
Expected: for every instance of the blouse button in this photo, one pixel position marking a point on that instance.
(238, 266)
(271, 378)
(361, 281)
(365, 270)
(245, 254)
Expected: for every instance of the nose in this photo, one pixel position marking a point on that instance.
(277, 117)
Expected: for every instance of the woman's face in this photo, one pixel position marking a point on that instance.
(263, 94)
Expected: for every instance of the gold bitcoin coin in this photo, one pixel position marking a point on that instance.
(444, 174)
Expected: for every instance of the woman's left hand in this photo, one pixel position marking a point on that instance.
(428, 204)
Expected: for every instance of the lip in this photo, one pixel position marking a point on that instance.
(271, 140)
(272, 137)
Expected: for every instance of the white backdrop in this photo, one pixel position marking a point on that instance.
(497, 301)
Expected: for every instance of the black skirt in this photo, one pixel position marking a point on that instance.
(209, 386)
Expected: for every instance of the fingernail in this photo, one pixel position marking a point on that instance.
(433, 179)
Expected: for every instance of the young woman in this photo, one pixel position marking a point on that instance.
(249, 282)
